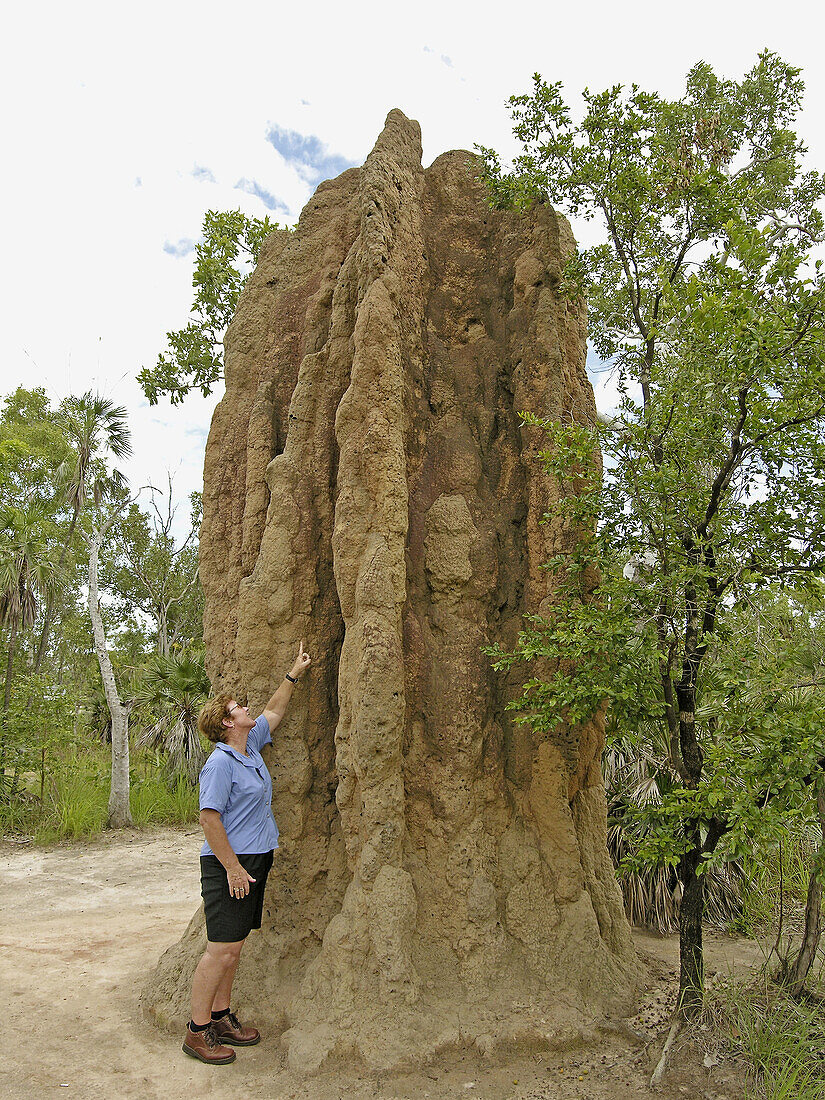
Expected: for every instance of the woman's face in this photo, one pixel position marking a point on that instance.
(237, 716)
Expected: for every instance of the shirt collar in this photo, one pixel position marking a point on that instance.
(248, 761)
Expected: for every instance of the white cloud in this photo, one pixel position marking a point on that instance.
(307, 154)
(270, 201)
(184, 247)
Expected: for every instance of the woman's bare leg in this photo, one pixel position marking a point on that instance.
(218, 961)
(223, 996)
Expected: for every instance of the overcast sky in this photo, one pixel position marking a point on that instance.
(123, 124)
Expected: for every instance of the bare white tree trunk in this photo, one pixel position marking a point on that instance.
(163, 631)
(119, 813)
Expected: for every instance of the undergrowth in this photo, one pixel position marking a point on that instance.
(774, 873)
(76, 796)
(781, 1038)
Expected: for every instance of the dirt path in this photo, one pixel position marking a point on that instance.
(81, 925)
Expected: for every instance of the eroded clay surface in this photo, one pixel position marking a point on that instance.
(443, 878)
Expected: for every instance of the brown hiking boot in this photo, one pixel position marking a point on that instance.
(205, 1046)
(229, 1030)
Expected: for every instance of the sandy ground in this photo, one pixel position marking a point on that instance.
(82, 925)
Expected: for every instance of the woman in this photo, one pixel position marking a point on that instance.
(241, 835)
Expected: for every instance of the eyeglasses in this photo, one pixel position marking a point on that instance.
(236, 706)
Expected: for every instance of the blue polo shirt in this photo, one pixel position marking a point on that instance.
(240, 788)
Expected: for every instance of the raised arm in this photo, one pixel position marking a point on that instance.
(275, 709)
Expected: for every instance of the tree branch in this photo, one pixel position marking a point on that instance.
(723, 477)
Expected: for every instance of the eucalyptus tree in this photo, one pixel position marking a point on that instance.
(98, 530)
(152, 570)
(705, 297)
(97, 428)
(93, 427)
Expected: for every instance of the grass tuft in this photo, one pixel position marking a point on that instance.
(781, 1038)
(81, 804)
(156, 801)
(760, 887)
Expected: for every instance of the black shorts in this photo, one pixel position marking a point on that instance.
(231, 919)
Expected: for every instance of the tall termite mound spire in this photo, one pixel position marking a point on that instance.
(443, 876)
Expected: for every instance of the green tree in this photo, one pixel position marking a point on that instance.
(92, 426)
(778, 639)
(96, 496)
(39, 726)
(27, 571)
(32, 448)
(705, 298)
(230, 245)
(150, 572)
(637, 775)
(99, 527)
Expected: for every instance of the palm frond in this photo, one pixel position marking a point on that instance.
(169, 697)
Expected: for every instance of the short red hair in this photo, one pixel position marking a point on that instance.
(210, 719)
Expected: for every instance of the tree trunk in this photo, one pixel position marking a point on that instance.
(9, 663)
(119, 813)
(691, 955)
(692, 906)
(163, 632)
(6, 703)
(798, 972)
(44, 634)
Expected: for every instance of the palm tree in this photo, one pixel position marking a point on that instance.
(173, 690)
(637, 774)
(93, 426)
(26, 573)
